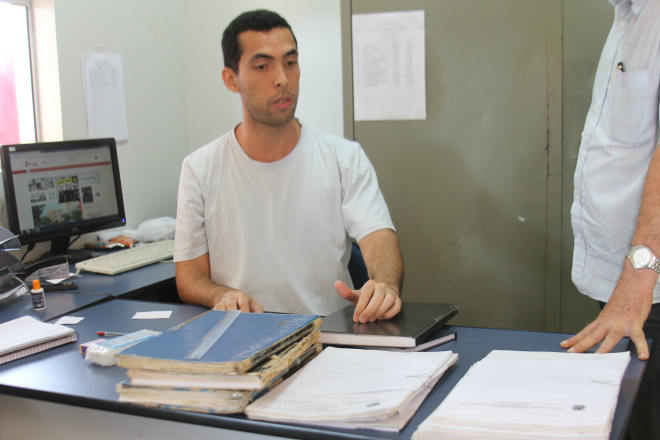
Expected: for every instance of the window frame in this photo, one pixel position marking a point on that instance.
(33, 66)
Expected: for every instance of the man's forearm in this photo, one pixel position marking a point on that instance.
(382, 256)
(195, 287)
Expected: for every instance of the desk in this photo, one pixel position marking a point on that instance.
(57, 304)
(154, 282)
(74, 399)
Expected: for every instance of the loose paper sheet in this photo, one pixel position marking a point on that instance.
(153, 315)
(389, 66)
(103, 81)
(69, 320)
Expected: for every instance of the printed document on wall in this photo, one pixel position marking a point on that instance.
(103, 82)
(389, 80)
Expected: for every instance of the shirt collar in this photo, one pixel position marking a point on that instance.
(637, 5)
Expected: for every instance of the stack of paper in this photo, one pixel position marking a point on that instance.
(531, 395)
(212, 365)
(354, 388)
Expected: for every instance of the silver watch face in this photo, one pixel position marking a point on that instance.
(642, 256)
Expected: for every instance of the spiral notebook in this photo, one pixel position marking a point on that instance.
(26, 335)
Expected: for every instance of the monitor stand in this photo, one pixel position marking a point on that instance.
(60, 247)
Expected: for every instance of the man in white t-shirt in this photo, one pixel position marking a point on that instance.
(266, 213)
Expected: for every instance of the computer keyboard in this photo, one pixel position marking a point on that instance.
(129, 259)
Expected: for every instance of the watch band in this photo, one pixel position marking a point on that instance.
(655, 264)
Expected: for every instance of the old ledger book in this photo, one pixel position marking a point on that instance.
(26, 335)
(257, 378)
(213, 343)
(217, 393)
(353, 388)
(531, 395)
(413, 325)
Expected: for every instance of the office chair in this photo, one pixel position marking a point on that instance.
(357, 269)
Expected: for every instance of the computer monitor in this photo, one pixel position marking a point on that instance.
(57, 190)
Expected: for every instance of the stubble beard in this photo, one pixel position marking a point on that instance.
(273, 119)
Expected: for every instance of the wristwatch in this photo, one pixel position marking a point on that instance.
(642, 257)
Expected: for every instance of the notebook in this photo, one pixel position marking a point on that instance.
(24, 336)
(415, 324)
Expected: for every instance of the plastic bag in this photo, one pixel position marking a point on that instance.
(156, 229)
(111, 233)
(105, 353)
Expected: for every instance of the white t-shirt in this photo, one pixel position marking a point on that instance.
(280, 231)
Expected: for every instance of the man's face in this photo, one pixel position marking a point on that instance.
(268, 76)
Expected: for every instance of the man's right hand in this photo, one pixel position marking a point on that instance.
(195, 286)
(237, 300)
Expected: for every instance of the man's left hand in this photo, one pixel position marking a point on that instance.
(623, 315)
(374, 301)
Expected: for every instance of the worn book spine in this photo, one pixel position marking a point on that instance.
(207, 400)
(257, 378)
(239, 350)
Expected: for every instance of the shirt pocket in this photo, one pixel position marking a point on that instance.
(632, 115)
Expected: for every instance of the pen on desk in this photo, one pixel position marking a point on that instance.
(110, 334)
(621, 67)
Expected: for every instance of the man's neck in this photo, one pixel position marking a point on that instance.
(268, 144)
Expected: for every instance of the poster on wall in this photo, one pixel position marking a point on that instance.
(389, 81)
(103, 82)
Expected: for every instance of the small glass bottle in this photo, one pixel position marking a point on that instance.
(38, 298)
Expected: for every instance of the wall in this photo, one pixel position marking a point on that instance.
(149, 36)
(468, 186)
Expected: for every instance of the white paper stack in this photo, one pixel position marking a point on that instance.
(531, 395)
(352, 388)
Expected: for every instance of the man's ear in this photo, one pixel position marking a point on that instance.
(230, 80)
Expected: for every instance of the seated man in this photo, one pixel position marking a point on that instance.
(266, 213)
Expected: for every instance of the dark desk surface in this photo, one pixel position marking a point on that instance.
(57, 304)
(61, 375)
(142, 283)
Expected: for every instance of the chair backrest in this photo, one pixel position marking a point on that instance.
(357, 269)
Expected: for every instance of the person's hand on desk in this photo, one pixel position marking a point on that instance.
(374, 301)
(237, 300)
(193, 281)
(623, 315)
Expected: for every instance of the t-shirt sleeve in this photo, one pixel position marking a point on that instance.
(363, 205)
(190, 237)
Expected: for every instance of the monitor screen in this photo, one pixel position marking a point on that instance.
(56, 190)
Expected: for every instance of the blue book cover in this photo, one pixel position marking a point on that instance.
(219, 342)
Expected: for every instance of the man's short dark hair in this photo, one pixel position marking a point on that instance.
(260, 20)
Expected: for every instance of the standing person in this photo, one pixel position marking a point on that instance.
(616, 207)
(266, 213)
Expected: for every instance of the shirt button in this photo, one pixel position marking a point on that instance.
(622, 24)
(597, 111)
